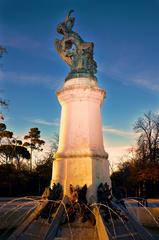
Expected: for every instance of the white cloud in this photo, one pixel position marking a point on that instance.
(118, 132)
(117, 154)
(127, 71)
(45, 122)
(157, 112)
(25, 77)
(32, 78)
(117, 150)
(17, 40)
(147, 83)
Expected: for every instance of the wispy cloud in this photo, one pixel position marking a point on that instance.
(133, 70)
(157, 112)
(30, 78)
(23, 77)
(17, 40)
(147, 83)
(2, 76)
(118, 132)
(45, 122)
(117, 153)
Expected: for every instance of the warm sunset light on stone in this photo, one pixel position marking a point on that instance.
(81, 158)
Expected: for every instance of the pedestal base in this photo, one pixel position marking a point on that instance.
(79, 171)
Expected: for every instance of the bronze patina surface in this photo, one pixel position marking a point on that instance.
(77, 53)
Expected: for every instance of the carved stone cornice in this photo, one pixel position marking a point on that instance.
(80, 92)
(81, 154)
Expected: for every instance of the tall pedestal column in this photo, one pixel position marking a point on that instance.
(81, 158)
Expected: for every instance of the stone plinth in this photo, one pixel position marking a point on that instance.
(81, 158)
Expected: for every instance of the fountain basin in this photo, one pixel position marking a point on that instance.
(147, 216)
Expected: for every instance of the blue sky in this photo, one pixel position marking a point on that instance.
(126, 37)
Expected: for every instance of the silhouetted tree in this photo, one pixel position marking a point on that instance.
(5, 134)
(2, 50)
(33, 142)
(5, 140)
(44, 166)
(20, 153)
(11, 152)
(11, 148)
(148, 141)
(141, 172)
(2, 127)
(3, 102)
(55, 143)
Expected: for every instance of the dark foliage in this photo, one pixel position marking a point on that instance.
(141, 172)
(2, 50)
(3, 102)
(15, 177)
(14, 183)
(33, 142)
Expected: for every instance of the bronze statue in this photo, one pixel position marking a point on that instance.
(74, 51)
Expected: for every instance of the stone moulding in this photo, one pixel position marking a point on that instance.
(74, 93)
(81, 154)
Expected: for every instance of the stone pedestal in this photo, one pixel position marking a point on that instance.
(81, 158)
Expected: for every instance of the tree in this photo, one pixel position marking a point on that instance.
(11, 148)
(141, 172)
(20, 153)
(2, 50)
(4, 134)
(55, 143)
(33, 142)
(44, 166)
(148, 141)
(3, 103)
(11, 152)
(5, 140)
(2, 127)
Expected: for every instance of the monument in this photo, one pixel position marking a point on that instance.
(80, 158)
(80, 166)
